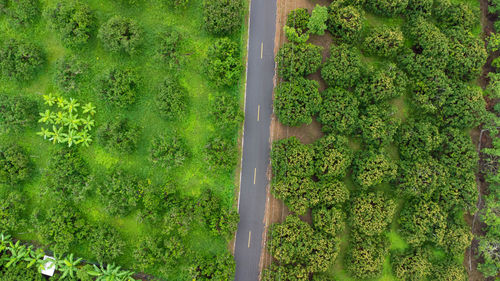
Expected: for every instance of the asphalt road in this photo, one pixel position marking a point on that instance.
(256, 146)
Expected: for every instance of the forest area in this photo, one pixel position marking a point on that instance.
(119, 129)
(402, 95)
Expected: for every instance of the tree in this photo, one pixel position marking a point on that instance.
(387, 7)
(171, 100)
(451, 14)
(120, 34)
(295, 102)
(276, 272)
(17, 113)
(345, 21)
(223, 64)
(422, 177)
(384, 41)
(411, 265)
(106, 244)
(169, 151)
(378, 124)
(371, 213)
(338, 111)
(217, 267)
(332, 157)
(430, 91)
(74, 20)
(119, 192)
(222, 17)
(331, 222)
(317, 22)
(170, 44)
(15, 166)
(365, 256)
(465, 108)
(289, 157)
(418, 139)
(467, 55)
(119, 87)
(221, 153)
(449, 270)
(23, 12)
(419, 8)
(226, 112)
(20, 60)
(372, 168)
(69, 73)
(294, 36)
(12, 207)
(298, 19)
(343, 67)
(458, 150)
(296, 192)
(298, 60)
(385, 84)
(178, 3)
(119, 135)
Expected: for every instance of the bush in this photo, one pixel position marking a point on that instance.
(221, 153)
(383, 85)
(329, 221)
(226, 112)
(119, 87)
(449, 270)
(465, 108)
(298, 60)
(419, 8)
(297, 193)
(345, 22)
(417, 139)
(289, 157)
(295, 102)
(12, 207)
(460, 14)
(168, 151)
(387, 7)
(343, 67)
(119, 192)
(119, 135)
(106, 244)
(429, 92)
(467, 55)
(338, 111)
(365, 256)
(411, 265)
(332, 157)
(299, 20)
(20, 60)
(119, 34)
(422, 177)
(74, 20)
(317, 23)
(222, 17)
(223, 64)
(219, 267)
(23, 12)
(378, 124)
(384, 41)
(372, 168)
(168, 49)
(20, 271)
(371, 213)
(15, 166)
(171, 100)
(17, 113)
(458, 150)
(69, 73)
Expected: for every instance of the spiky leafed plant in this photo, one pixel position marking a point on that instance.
(68, 266)
(111, 273)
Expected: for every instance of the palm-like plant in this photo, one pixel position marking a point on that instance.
(68, 266)
(85, 139)
(4, 242)
(89, 108)
(71, 137)
(49, 99)
(111, 273)
(61, 102)
(35, 257)
(47, 117)
(18, 252)
(71, 105)
(87, 123)
(60, 117)
(45, 133)
(72, 121)
(57, 134)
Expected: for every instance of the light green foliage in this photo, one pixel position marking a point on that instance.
(71, 122)
(15, 165)
(223, 65)
(295, 102)
(299, 19)
(293, 36)
(343, 67)
(120, 34)
(371, 213)
(298, 60)
(317, 22)
(493, 88)
(372, 168)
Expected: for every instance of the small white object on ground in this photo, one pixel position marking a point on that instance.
(49, 266)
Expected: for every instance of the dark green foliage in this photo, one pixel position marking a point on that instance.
(383, 85)
(343, 67)
(19, 60)
(12, 207)
(20, 271)
(74, 20)
(222, 17)
(219, 267)
(120, 34)
(412, 265)
(291, 158)
(119, 87)
(60, 225)
(429, 92)
(371, 213)
(418, 139)
(384, 41)
(222, 153)
(171, 99)
(295, 102)
(23, 12)
(15, 166)
(168, 49)
(419, 8)
(119, 192)
(489, 247)
(223, 64)
(378, 124)
(106, 244)
(338, 111)
(365, 256)
(332, 157)
(296, 60)
(467, 55)
(465, 108)
(421, 177)
(457, 238)
(67, 175)
(387, 7)
(297, 193)
(298, 19)
(330, 194)
(119, 135)
(449, 270)
(372, 168)
(69, 73)
(276, 272)
(168, 151)
(219, 218)
(459, 14)
(328, 221)
(226, 112)
(458, 150)
(17, 113)
(345, 22)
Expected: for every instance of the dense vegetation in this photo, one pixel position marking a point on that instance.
(383, 194)
(119, 125)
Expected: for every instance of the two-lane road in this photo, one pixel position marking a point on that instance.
(255, 161)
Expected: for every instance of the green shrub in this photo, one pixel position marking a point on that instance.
(119, 135)
(343, 67)
(294, 36)
(23, 12)
(289, 157)
(329, 221)
(378, 124)
(20, 271)
(222, 17)
(365, 256)
(219, 267)
(20, 60)
(417, 139)
(15, 165)
(106, 244)
(226, 112)
(168, 151)
(411, 265)
(384, 41)
(298, 60)
(168, 49)
(219, 218)
(465, 108)
(459, 14)
(17, 113)
(119, 192)
(223, 64)
(221, 153)
(299, 20)
(422, 177)
(332, 157)
(171, 100)
(371, 213)
(74, 21)
(69, 73)
(296, 192)
(419, 8)
(387, 7)
(12, 207)
(119, 87)
(372, 168)
(338, 111)
(467, 55)
(295, 102)
(317, 23)
(450, 270)
(385, 84)
(120, 34)
(345, 22)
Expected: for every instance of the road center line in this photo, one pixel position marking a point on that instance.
(254, 175)
(249, 236)
(261, 49)
(258, 113)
